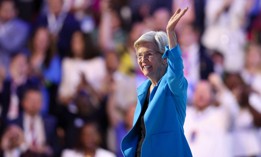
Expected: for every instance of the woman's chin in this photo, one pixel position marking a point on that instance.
(145, 73)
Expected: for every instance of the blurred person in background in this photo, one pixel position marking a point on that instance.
(160, 18)
(121, 129)
(120, 93)
(111, 33)
(45, 65)
(13, 31)
(44, 60)
(13, 87)
(251, 73)
(245, 113)
(142, 9)
(225, 24)
(190, 16)
(88, 145)
(218, 61)
(85, 106)
(247, 119)
(197, 62)
(60, 23)
(83, 76)
(112, 37)
(206, 126)
(2, 77)
(39, 131)
(83, 12)
(12, 142)
(254, 22)
(28, 10)
(84, 56)
(120, 96)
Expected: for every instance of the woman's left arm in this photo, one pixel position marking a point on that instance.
(170, 29)
(176, 81)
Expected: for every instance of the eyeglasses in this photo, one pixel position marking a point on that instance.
(147, 55)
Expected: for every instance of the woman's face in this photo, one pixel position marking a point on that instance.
(19, 68)
(150, 61)
(41, 40)
(90, 137)
(77, 44)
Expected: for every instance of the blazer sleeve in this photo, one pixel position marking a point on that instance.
(175, 76)
(177, 83)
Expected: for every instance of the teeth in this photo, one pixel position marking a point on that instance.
(146, 67)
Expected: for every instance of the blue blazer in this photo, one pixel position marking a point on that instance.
(165, 115)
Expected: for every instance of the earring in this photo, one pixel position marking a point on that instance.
(165, 62)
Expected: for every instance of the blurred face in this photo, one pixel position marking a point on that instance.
(7, 11)
(112, 61)
(161, 18)
(41, 40)
(253, 57)
(19, 68)
(218, 59)
(187, 36)
(32, 102)
(115, 20)
(137, 30)
(55, 6)
(90, 137)
(202, 95)
(232, 81)
(77, 44)
(150, 61)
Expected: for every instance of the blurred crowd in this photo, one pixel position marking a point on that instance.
(68, 74)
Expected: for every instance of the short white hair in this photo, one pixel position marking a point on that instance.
(158, 39)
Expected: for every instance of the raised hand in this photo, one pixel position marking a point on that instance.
(170, 29)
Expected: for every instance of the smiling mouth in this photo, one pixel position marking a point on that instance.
(147, 67)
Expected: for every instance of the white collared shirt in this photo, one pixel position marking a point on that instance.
(38, 133)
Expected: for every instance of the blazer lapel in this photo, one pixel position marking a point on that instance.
(142, 92)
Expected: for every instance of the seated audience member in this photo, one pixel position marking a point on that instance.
(88, 144)
(13, 86)
(13, 31)
(12, 142)
(39, 131)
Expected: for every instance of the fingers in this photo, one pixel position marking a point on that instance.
(175, 18)
(179, 13)
(182, 13)
(176, 12)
